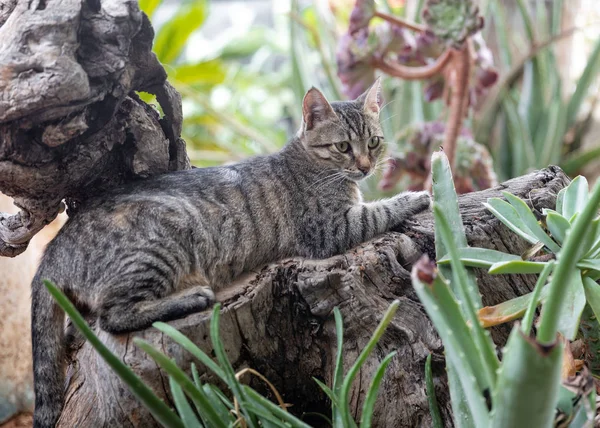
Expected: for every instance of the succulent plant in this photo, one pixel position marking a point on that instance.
(452, 21)
(473, 169)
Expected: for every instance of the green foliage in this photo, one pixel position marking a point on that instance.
(213, 407)
(526, 388)
(528, 123)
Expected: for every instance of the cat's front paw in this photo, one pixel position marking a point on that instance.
(419, 201)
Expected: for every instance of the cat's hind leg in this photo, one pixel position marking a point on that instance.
(131, 314)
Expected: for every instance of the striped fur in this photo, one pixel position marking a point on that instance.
(156, 249)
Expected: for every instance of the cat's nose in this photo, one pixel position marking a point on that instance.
(363, 166)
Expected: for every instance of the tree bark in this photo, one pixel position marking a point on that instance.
(71, 124)
(279, 321)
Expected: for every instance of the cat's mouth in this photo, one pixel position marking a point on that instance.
(357, 175)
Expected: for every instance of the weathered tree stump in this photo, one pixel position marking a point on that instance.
(279, 321)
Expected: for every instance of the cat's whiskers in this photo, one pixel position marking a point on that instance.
(322, 181)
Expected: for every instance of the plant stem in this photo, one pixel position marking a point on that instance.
(460, 67)
(400, 22)
(414, 73)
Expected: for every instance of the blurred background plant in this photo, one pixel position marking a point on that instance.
(502, 98)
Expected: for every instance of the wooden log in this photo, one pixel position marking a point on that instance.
(279, 321)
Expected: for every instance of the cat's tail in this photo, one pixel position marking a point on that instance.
(49, 349)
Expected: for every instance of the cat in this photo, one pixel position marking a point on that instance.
(155, 250)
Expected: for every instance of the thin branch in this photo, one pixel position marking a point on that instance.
(400, 22)
(414, 73)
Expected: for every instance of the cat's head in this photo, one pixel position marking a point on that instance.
(346, 135)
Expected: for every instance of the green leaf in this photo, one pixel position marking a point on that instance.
(434, 408)
(527, 390)
(210, 72)
(575, 161)
(565, 269)
(509, 216)
(369, 405)
(189, 346)
(277, 411)
(558, 226)
(576, 196)
(338, 376)
(459, 345)
(480, 257)
(161, 412)
(522, 150)
(345, 390)
(552, 144)
(183, 407)
(539, 293)
(560, 199)
(232, 382)
(149, 6)
(517, 266)
(173, 35)
(589, 264)
(592, 295)
(208, 414)
(530, 221)
(584, 83)
(328, 391)
(568, 318)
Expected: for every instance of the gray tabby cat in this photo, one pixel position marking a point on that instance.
(156, 250)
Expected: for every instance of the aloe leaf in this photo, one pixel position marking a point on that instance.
(568, 321)
(592, 295)
(566, 260)
(208, 414)
(574, 162)
(189, 418)
(530, 221)
(480, 257)
(173, 35)
(589, 264)
(512, 309)
(517, 266)
(557, 125)
(189, 346)
(587, 78)
(509, 216)
(576, 196)
(558, 226)
(161, 412)
(523, 153)
(539, 293)
(502, 34)
(459, 345)
(527, 390)
(362, 357)
(560, 200)
(444, 195)
(369, 405)
(470, 299)
(434, 408)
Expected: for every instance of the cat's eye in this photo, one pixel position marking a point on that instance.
(343, 146)
(374, 142)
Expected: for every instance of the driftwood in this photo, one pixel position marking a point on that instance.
(71, 124)
(279, 321)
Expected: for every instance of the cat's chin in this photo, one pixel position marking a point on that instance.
(357, 176)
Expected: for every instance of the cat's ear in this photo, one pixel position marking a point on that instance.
(315, 109)
(372, 98)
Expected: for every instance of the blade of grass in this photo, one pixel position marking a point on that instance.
(161, 412)
(369, 405)
(189, 346)
(272, 407)
(207, 413)
(345, 390)
(587, 78)
(434, 409)
(183, 407)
